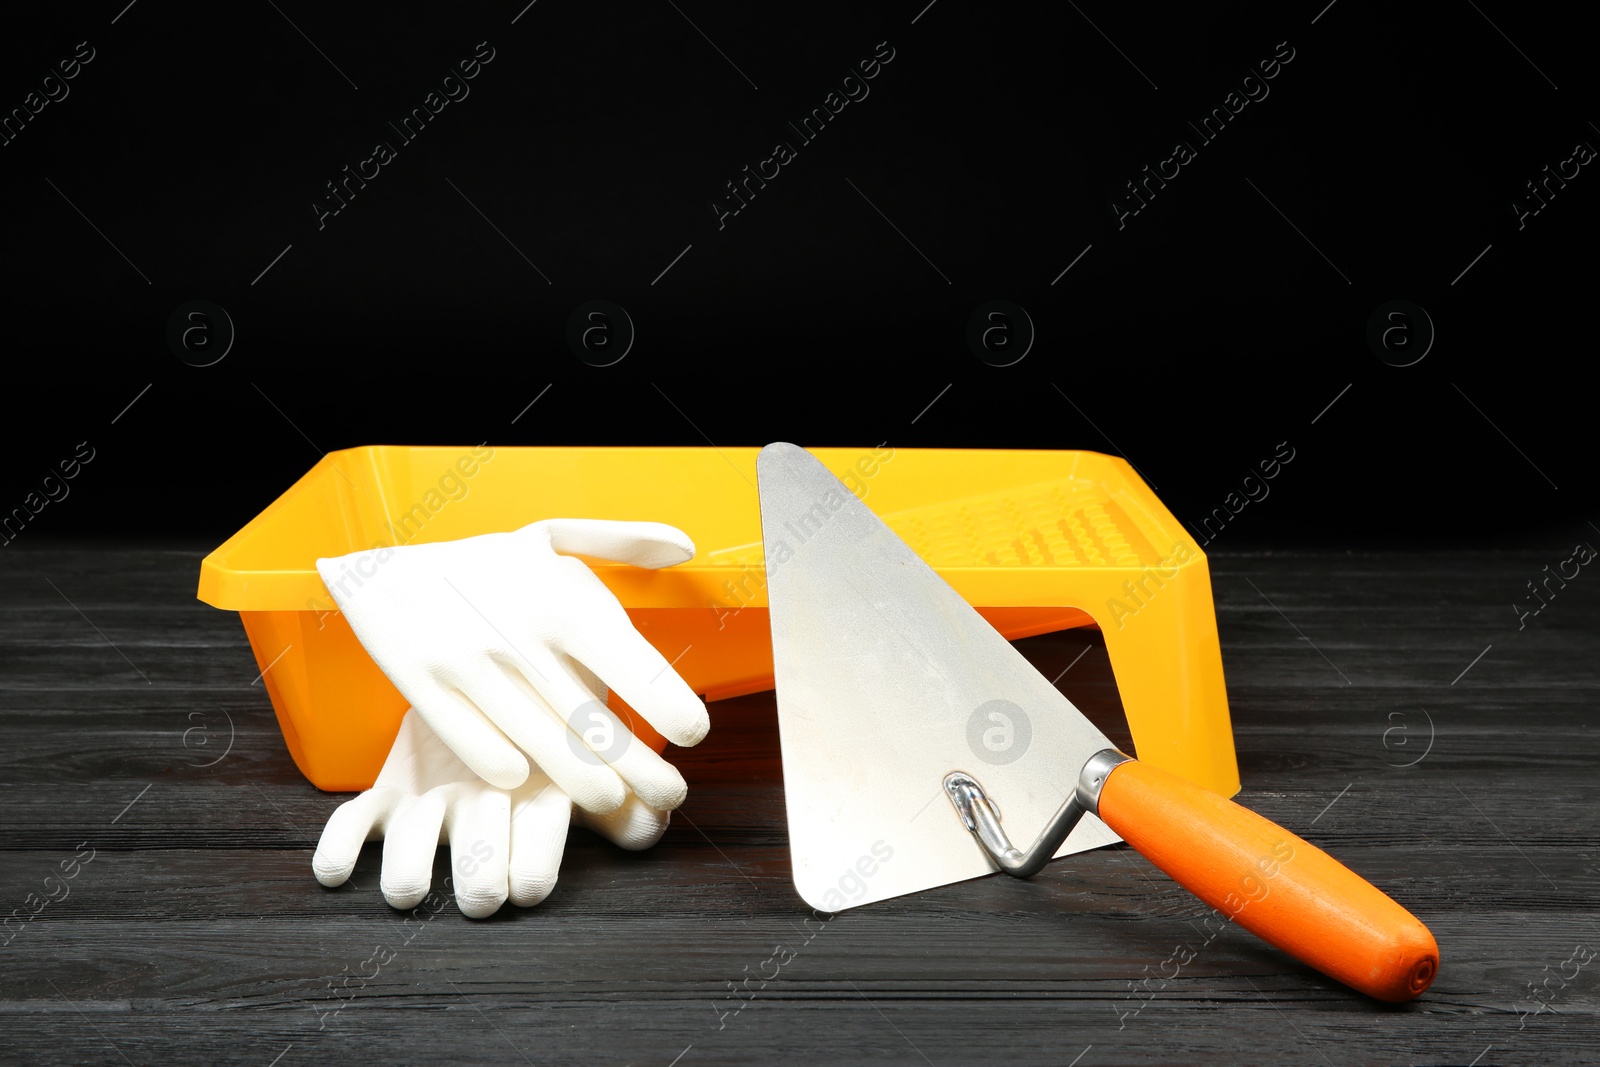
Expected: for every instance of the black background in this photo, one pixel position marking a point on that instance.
(1192, 340)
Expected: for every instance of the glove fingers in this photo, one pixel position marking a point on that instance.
(347, 829)
(410, 840)
(479, 822)
(642, 676)
(605, 734)
(538, 836)
(643, 544)
(655, 781)
(588, 679)
(418, 760)
(522, 711)
(471, 736)
(634, 826)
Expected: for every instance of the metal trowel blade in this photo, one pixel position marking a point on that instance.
(887, 680)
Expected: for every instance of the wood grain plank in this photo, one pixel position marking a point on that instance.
(197, 935)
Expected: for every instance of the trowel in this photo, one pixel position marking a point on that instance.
(916, 740)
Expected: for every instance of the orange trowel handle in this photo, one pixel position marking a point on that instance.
(1278, 886)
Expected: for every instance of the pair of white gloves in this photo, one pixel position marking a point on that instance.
(505, 645)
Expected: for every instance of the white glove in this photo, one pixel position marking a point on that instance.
(492, 640)
(503, 844)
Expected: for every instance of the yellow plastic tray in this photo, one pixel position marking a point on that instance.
(1035, 540)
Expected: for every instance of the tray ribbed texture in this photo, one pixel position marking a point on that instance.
(1064, 523)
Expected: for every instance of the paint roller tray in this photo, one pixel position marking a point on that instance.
(1036, 540)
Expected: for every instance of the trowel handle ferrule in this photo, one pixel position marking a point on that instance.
(981, 815)
(1273, 883)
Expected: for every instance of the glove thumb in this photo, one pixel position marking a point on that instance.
(642, 544)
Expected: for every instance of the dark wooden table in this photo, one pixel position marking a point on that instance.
(1386, 707)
